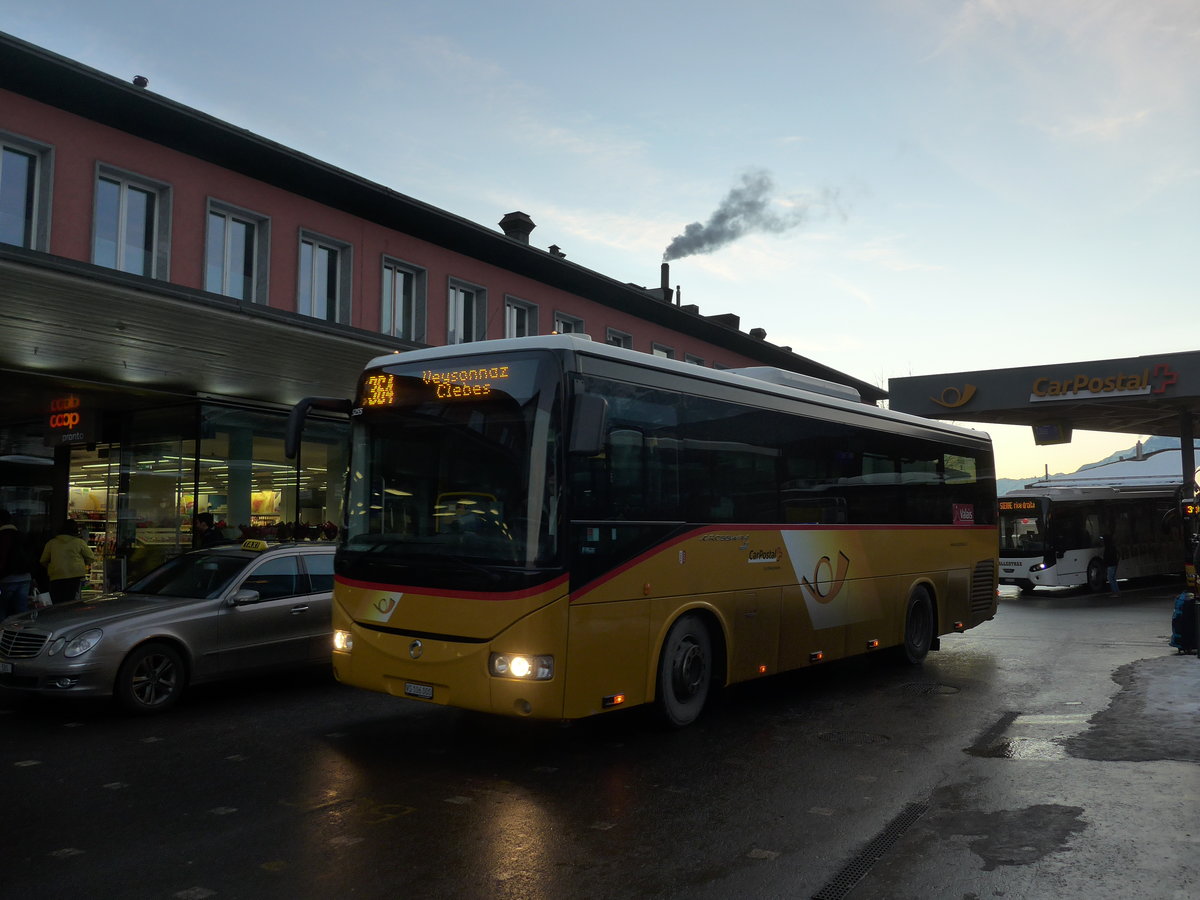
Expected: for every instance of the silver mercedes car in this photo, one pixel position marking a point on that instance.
(206, 615)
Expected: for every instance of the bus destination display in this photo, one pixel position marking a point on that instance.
(386, 389)
(1018, 506)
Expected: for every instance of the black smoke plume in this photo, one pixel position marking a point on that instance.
(746, 209)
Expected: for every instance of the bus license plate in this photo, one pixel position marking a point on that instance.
(5, 668)
(424, 691)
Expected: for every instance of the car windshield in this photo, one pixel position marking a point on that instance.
(201, 575)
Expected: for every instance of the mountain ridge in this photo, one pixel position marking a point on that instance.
(1150, 445)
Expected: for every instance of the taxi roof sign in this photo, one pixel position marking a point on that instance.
(254, 544)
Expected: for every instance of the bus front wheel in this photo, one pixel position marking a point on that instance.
(918, 628)
(685, 671)
(1097, 577)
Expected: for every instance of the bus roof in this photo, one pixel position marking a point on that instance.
(764, 379)
(1156, 473)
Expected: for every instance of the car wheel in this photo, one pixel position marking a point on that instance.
(151, 679)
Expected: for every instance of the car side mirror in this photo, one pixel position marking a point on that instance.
(244, 597)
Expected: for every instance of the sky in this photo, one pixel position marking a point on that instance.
(932, 186)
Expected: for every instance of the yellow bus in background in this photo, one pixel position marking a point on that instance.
(556, 528)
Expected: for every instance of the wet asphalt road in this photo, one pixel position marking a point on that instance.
(1051, 753)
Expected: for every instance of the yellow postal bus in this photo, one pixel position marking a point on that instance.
(554, 528)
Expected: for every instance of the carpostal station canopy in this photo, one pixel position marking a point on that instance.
(1154, 395)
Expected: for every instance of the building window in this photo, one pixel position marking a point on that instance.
(616, 338)
(132, 224)
(466, 313)
(24, 193)
(663, 351)
(693, 359)
(323, 289)
(520, 318)
(236, 253)
(564, 324)
(403, 301)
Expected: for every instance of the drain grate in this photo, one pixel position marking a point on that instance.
(854, 871)
(926, 688)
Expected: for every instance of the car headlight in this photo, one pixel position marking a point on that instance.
(522, 666)
(82, 643)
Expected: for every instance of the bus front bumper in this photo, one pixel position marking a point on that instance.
(459, 673)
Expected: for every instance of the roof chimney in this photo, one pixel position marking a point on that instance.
(517, 226)
(759, 334)
(141, 81)
(556, 252)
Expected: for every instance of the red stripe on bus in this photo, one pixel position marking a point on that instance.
(496, 596)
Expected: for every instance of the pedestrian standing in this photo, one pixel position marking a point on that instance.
(205, 533)
(1112, 556)
(67, 558)
(15, 572)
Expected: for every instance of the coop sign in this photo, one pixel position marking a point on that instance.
(68, 422)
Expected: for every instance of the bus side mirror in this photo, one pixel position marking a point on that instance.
(589, 423)
(295, 423)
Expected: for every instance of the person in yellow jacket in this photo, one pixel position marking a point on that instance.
(66, 558)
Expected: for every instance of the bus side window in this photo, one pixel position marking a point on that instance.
(626, 472)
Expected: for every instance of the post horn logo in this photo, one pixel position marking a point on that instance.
(823, 579)
(385, 605)
(953, 398)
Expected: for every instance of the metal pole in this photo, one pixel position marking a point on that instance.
(1187, 460)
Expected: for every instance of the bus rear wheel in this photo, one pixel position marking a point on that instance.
(1097, 577)
(685, 671)
(918, 628)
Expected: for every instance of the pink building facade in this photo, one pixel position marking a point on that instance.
(171, 284)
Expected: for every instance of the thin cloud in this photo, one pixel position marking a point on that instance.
(884, 253)
(1106, 128)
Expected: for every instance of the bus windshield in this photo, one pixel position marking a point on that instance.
(456, 471)
(1023, 526)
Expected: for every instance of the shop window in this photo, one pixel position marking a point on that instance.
(403, 301)
(236, 253)
(520, 318)
(132, 224)
(323, 290)
(466, 313)
(253, 490)
(565, 324)
(25, 175)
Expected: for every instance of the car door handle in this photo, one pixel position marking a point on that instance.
(296, 610)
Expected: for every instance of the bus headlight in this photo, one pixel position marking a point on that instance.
(519, 665)
(343, 640)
